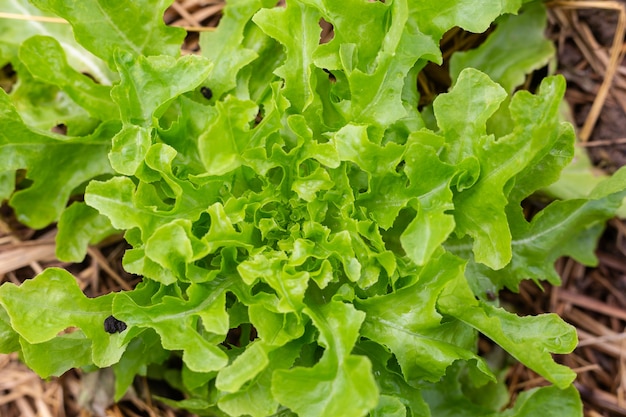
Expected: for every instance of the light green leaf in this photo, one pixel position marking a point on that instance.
(104, 27)
(256, 398)
(479, 210)
(176, 321)
(226, 47)
(437, 17)
(129, 149)
(530, 339)
(55, 164)
(408, 323)
(148, 83)
(14, 32)
(564, 228)
(430, 183)
(269, 267)
(52, 302)
(514, 49)
(58, 355)
(275, 329)
(549, 401)
(80, 226)
(297, 28)
(226, 138)
(9, 339)
(341, 383)
(244, 368)
(45, 59)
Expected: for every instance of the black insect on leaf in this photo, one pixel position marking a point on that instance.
(113, 325)
(206, 92)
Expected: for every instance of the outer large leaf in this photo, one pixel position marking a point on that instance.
(52, 302)
(564, 228)
(549, 401)
(479, 210)
(436, 17)
(526, 338)
(57, 356)
(341, 383)
(176, 320)
(515, 48)
(407, 322)
(102, 26)
(79, 226)
(56, 164)
(449, 399)
(14, 32)
(9, 339)
(45, 59)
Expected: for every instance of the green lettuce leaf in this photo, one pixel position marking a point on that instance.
(55, 164)
(227, 47)
(340, 383)
(530, 346)
(516, 47)
(308, 242)
(182, 323)
(54, 303)
(80, 226)
(103, 27)
(408, 323)
(45, 59)
(479, 209)
(14, 32)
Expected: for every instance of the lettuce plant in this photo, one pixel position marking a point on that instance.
(310, 242)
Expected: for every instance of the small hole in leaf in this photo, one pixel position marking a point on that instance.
(259, 116)
(69, 330)
(240, 336)
(86, 74)
(21, 181)
(400, 166)
(328, 31)
(202, 225)
(61, 129)
(8, 78)
(331, 77)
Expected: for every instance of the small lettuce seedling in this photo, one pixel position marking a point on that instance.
(309, 242)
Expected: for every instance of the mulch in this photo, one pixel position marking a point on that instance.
(589, 36)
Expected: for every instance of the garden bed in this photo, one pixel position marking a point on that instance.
(591, 299)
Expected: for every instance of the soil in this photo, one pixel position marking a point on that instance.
(584, 83)
(591, 299)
